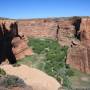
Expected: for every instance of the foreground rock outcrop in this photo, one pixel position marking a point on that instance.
(34, 78)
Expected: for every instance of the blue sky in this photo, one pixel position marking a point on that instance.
(44, 8)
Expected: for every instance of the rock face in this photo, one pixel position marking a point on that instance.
(61, 30)
(79, 56)
(38, 28)
(20, 48)
(64, 30)
(85, 30)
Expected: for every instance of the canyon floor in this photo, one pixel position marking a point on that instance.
(80, 80)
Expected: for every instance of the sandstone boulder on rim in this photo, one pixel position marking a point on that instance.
(37, 79)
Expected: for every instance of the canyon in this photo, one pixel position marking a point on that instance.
(73, 32)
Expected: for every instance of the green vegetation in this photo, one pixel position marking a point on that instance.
(80, 80)
(9, 81)
(49, 57)
(2, 72)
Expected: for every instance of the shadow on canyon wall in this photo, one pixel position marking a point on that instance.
(6, 37)
(77, 23)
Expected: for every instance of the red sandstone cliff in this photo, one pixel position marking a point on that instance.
(20, 48)
(79, 56)
(65, 31)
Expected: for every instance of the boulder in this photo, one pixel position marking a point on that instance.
(35, 78)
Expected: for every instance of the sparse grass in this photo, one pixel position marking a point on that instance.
(80, 80)
(10, 81)
(36, 61)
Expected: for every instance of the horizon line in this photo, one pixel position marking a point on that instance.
(42, 17)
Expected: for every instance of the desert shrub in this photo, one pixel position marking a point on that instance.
(12, 81)
(55, 58)
(2, 72)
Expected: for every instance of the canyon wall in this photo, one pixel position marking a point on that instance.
(72, 32)
(61, 30)
(20, 47)
(38, 28)
(79, 56)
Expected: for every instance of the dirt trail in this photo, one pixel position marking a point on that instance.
(37, 79)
